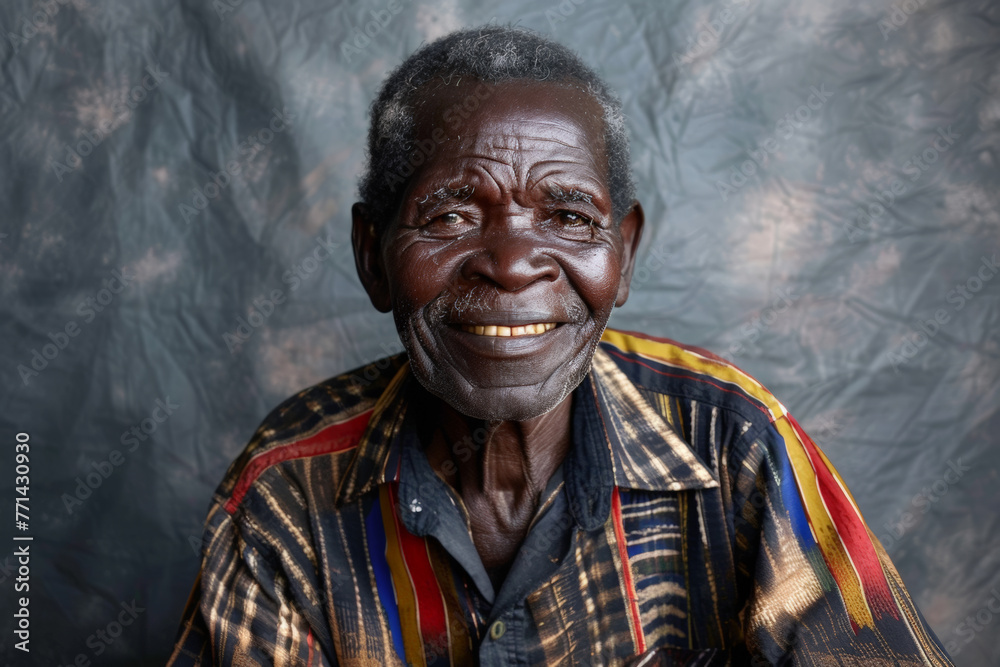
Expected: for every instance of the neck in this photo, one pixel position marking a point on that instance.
(506, 460)
(499, 469)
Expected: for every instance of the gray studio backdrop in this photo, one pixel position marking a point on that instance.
(821, 187)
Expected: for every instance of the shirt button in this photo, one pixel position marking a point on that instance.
(497, 630)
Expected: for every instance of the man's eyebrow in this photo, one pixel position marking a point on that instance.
(572, 195)
(446, 193)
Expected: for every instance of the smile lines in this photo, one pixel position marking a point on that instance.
(493, 330)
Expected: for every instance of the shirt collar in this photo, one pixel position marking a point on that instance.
(619, 440)
(377, 456)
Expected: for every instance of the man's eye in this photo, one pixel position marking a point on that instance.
(449, 218)
(574, 219)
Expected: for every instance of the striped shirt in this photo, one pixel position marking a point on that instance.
(692, 522)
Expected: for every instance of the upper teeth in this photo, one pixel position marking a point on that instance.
(491, 330)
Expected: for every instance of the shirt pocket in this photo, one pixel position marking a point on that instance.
(653, 538)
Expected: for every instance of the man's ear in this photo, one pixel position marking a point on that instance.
(631, 233)
(368, 258)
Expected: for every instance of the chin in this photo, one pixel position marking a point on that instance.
(492, 408)
(497, 404)
(486, 396)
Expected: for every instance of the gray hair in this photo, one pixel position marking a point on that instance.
(492, 54)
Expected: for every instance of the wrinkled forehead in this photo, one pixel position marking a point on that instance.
(514, 121)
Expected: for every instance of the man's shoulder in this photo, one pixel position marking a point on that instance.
(327, 419)
(661, 366)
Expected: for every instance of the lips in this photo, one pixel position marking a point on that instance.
(499, 330)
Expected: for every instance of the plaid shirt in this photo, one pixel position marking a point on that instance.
(692, 522)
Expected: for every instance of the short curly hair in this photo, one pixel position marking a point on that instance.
(491, 54)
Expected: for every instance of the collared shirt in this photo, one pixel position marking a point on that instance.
(692, 522)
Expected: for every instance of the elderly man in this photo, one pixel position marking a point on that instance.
(523, 486)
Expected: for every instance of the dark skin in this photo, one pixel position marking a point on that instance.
(501, 488)
(501, 269)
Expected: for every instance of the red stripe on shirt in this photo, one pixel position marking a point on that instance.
(430, 601)
(334, 438)
(633, 598)
(853, 533)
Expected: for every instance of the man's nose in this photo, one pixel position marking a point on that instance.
(511, 253)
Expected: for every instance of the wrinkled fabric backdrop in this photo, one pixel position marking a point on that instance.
(821, 186)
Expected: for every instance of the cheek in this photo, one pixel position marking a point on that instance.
(416, 276)
(596, 279)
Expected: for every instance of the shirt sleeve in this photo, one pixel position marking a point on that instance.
(242, 611)
(817, 581)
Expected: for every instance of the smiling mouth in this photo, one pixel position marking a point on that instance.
(512, 332)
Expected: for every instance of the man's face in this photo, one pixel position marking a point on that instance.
(503, 263)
